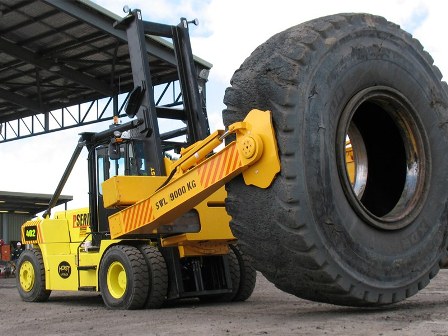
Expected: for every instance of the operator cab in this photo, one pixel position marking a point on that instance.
(121, 157)
(125, 157)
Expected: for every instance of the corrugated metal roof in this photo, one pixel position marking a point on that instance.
(27, 203)
(55, 54)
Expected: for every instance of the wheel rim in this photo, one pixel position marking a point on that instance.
(386, 186)
(116, 280)
(27, 276)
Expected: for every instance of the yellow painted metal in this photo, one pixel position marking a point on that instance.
(197, 178)
(214, 235)
(213, 217)
(128, 190)
(263, 171)
(59, 240)
(116, 279)
(60, 269)
(197, 182)
(61, 261)
(89, 277)
(78, 222)
(47, 231)
(203, 249)
(177, 197)
(27, 276)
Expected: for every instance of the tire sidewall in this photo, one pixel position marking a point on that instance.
(112, 255)
(359, 248)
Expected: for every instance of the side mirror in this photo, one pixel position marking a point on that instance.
(135, 101)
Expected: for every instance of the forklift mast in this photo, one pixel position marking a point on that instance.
(141, 101)
(150, 144)
(144, 128)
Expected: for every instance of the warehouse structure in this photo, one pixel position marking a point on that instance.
(16, 208)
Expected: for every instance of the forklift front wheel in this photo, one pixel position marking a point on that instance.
(158, 276)
(123, 278)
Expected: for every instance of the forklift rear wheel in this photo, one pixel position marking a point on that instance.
(248, 275)
(123, 278)
(319, 232)
(30, 277)
(158, 276)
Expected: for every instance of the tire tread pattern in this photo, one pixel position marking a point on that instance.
(314, 277)
(157, 277)
(138, 280)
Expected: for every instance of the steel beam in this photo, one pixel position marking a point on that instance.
(73, 9)
(31, 58)
(22, 101)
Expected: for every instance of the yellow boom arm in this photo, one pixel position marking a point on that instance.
(195, 177)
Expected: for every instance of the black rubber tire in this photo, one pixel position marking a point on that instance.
(248, 275)
(158, 276)
(308, 233)
(38, 291)
(131, 260)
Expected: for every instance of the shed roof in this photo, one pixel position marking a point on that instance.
(55, 54)
(27, 203)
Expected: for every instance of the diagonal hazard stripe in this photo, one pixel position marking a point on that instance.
(137, 216)
(223, 169)
(147, 214)
(129, 218)
(208, 172)
(219, 167)
(236, 162)
(39, 232)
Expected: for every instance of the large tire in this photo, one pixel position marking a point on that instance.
(312, 233)
(158, 276)
(30, 277)
(123, 278)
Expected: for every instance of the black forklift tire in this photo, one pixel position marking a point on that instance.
(157, 276)
(314, 232)
(123, 278)
(30, 277)
(248, 275)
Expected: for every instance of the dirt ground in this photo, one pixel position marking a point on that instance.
(268, 312)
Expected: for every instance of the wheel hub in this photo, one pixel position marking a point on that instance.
(27, 276)
(116, 280)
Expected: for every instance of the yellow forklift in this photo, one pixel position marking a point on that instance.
(156, 228)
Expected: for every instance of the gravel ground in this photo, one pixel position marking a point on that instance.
(268, 312)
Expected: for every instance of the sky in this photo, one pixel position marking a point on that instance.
(228, 31)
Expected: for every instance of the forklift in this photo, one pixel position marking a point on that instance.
(156, 228)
